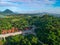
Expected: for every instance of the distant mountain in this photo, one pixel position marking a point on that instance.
(7, 11)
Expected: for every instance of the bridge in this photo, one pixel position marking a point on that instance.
(3, 36)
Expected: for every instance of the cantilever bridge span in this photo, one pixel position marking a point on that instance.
(3, 36)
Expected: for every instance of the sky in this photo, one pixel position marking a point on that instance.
(31, 6)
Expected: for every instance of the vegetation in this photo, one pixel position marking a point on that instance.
(47, 30)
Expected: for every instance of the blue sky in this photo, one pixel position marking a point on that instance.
(31, 6)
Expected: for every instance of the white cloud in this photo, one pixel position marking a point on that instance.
(50, 1)
(20, 5)
(27, 2)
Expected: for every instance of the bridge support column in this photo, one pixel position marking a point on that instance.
(4, 39)
(0, 38)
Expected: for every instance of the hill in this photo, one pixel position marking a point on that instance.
(7, 11)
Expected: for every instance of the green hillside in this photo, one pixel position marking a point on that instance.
(2, 16)
(47, 30)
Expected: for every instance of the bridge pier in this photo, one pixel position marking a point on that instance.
(4, 39)
(0, 38)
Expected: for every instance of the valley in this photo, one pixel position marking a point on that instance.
(17, 30)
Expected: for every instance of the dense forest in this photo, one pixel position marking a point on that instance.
(47, 31)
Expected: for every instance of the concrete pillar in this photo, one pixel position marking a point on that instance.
(0, 38)
(4, 39)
